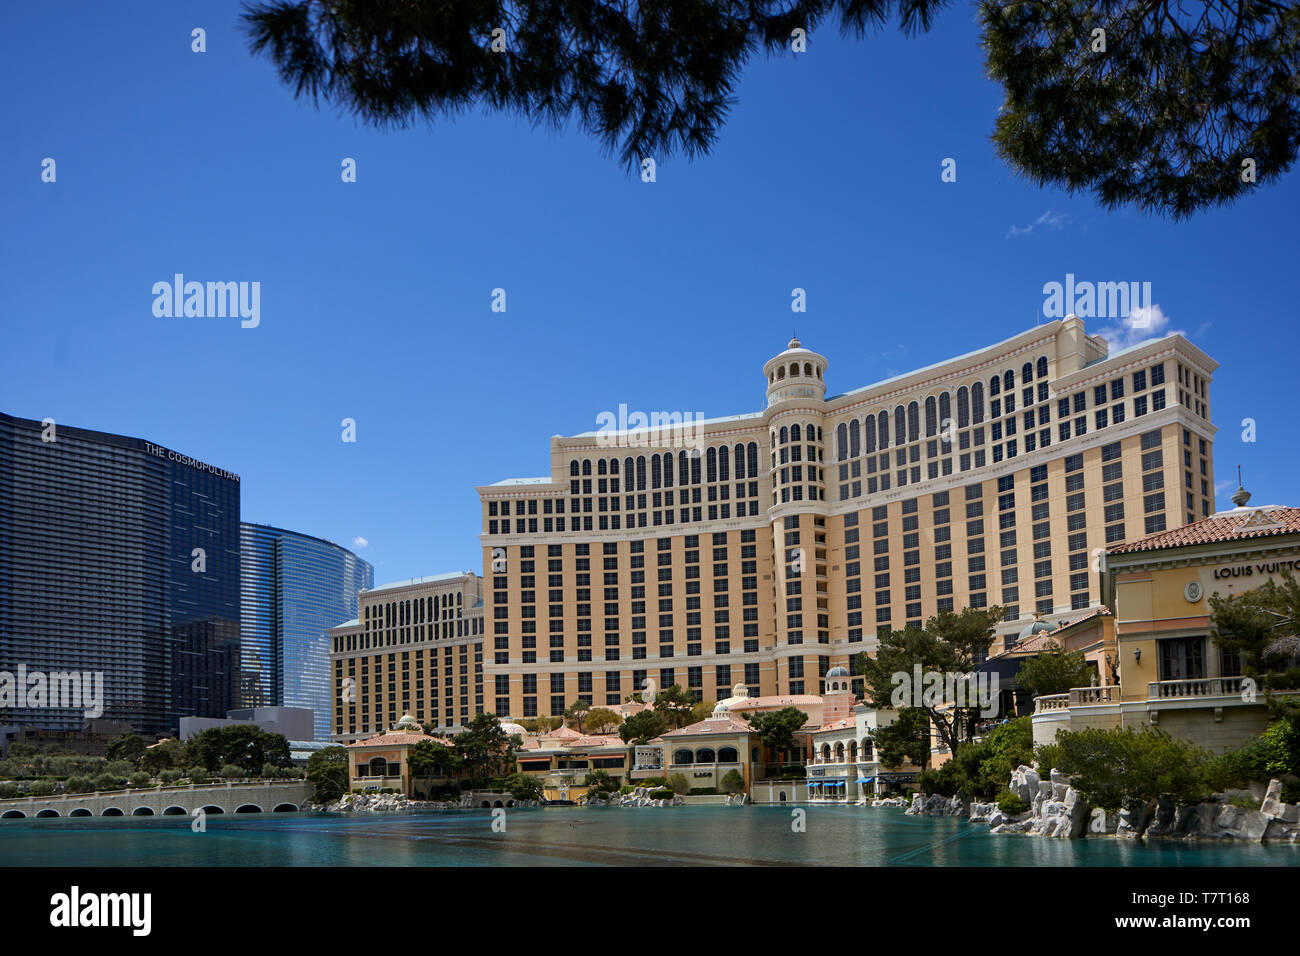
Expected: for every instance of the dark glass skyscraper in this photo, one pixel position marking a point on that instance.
(294, 589)
(120, 557)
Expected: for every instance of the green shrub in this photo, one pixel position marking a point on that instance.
(8, 790)
(653, 782)
(703, 791)
(732, 782)
(679, 783)
(108, 781)
(79, 785)
(270, 771)
(625, 789)
(1283, 680)
(198, 775)
(40, 788)
(1245, 802)
(139, 780)
(1010, 804)
(663, 793)
(231, 772)
(169, 776)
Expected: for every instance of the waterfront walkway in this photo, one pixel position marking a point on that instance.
(267, 796)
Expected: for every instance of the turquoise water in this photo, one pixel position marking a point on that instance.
(596, 836)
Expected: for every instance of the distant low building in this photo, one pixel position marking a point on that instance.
(294, 723)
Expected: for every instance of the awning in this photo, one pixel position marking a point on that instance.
(866, 779)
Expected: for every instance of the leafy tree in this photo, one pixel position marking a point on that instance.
(601, 720)
(776, 728)
(1161, 113)
(79, 785)
(948, 645)
(198, 775)
(732, 782)
(154, 760)
(40, 788)
(577, 713)
(642, 727)
(243, 745)
(1115, 767)
(702, 710)
(126, 747)
(431, 758)
(232, 771)
(139, 779)
(676, 705)
(108, 781)
(1053, 671)
(483, 746)
(523, 787)
(1261, 626)
(906, 739)
(600, 781)
(679, 784)
(327, 771)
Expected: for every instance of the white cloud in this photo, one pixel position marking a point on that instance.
(1049, 220)
(1144, 322)
(360, 542)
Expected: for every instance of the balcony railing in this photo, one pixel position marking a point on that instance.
(1051, 702)
(1100, 694)
(1195, 687)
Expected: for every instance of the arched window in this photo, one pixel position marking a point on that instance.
(629, 470)
(995, 386)
(780, 373)
(1042, 366)
(705, 755)
(839, 752)
(807, 369)
(640, 473)
(866, 748)
(712, 463)
(945, 411)
(753, 459)
(963, 407)
(900, 425)
(655, 474)
(842, 441)
(869, 433)
(668, 469)
(913, 421)
(977, 403)
(785, 434)
(1027, 372)
(826, 751)
(573, 468)
(1008, 381)
(586, 466)
(739, 456)
(728, 755)
(695, 468)
(794, 432)
(724, 463)
(883, 419)
(600, 467)
(613, 466)
(931, 417)
(855, 441)
(683, 756)
(794, 369)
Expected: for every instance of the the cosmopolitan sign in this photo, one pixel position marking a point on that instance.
(158, 451)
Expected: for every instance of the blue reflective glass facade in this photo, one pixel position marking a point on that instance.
(121, 557)
(294, 588)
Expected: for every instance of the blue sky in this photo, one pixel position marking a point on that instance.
(376, 295)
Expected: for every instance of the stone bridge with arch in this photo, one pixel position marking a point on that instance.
(269, 796)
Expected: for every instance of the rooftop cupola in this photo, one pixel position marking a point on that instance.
(795, 373)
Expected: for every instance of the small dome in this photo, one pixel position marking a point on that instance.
(407, 723)
(794, 343)
(510, 729)
(721, 710)
(1036, 626)
(838, 670)
(740, 690)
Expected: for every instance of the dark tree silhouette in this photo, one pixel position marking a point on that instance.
(1163, 115)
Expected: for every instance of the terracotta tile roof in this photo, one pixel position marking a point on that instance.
(710, 725)
(842, 724)
(597, 740)
(562, 732)
(1239, 523)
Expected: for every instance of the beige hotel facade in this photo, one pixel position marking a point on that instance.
(766, 548)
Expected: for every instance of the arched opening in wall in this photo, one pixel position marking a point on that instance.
(728, 755)
(213, 808)
(43, 814)
(248, 808)
(286, 808)
(142, 812)
(705, 755)
(81, 812)
(113, 812)
(13, 815)
(175, 811)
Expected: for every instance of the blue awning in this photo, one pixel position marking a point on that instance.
(866, 779)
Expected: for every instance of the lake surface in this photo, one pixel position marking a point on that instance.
(671, 836)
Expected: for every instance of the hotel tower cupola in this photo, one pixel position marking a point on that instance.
(795, 373)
